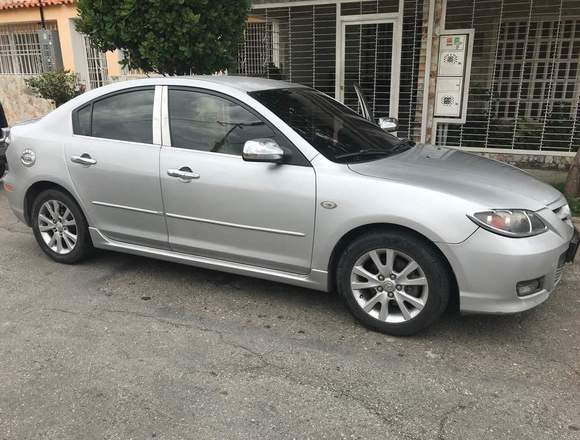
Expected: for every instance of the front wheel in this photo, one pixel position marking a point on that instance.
(393, 282)
(60, 228)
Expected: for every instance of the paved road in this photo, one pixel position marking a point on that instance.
(131, 348)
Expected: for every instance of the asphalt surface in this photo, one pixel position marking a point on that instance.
(131, 348)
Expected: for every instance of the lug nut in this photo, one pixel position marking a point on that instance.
(380, 289)
(399, 287)
(381, 278)
(390, 294)
(393, 276)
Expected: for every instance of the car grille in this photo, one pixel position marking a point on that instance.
(559, 269)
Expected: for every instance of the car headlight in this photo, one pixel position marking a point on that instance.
(510, 222)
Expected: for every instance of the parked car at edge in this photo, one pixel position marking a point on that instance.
(279, 181)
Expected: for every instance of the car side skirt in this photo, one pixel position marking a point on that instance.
(316, 279)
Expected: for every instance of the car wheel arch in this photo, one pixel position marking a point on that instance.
(351, 235)
(38, 187)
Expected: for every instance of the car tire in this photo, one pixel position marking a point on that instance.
(406, 300)
(60, 227)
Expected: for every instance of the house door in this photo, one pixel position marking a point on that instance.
(370, 58)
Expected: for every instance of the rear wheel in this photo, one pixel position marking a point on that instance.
(60, 228)
(393, 282)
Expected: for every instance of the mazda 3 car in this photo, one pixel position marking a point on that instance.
(279, 181)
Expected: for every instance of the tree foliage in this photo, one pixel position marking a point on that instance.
(58, 86)
(173, 37)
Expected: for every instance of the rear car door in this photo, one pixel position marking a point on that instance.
(253, 213)
(114, 164)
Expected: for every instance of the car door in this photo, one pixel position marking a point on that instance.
(113, 161)
(220, 206)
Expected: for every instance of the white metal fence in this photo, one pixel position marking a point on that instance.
(298, 43)
(525, 79)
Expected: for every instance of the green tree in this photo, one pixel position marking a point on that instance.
(170, 37)
(58, 86)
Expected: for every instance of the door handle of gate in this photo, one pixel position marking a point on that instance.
(183, 173)
(83, 159)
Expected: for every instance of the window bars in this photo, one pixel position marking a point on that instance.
(525, 79)
(97, 65)
(20, 49)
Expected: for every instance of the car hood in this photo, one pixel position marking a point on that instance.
(488, 182)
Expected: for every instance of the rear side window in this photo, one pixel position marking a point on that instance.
(84, 121)
(125, 116)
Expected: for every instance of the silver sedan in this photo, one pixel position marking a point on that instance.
(279, 181)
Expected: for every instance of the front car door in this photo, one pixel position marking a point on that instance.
(219, 206)
(113, 161)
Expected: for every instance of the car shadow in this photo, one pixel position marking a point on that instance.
(263, 293)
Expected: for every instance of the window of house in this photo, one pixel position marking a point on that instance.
(537, 65)
(97, 65)
(201, 121)
(20, 49)
(126, 116)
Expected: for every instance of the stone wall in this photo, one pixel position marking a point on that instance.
(18, 102)
(534, 161)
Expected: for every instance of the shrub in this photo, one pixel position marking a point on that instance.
(58, 86)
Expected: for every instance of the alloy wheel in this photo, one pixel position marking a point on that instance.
(58, 227)
(389, 285)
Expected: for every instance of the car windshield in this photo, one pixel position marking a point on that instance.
(336, 131)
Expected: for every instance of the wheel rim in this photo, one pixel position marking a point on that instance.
(58, 227)
(389, 285)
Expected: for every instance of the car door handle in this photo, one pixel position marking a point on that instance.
(183, 173)
(83, 159)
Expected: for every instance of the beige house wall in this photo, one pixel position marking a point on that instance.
(62, 15)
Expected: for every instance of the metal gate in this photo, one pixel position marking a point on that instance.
(367, 59)
(525, 78)
(302, 43)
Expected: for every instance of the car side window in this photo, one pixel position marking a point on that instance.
(126, 116)
(84, 120)
(202, 121)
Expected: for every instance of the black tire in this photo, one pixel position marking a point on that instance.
(83, 247)
(430, 262)
(2, 166)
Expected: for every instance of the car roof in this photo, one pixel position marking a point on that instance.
(246, 83)
(240, 83)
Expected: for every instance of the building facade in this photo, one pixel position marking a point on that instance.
(498, 77)
(491, 76)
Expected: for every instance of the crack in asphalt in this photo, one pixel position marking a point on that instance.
(441, 435)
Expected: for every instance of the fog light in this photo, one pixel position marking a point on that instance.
(525, 288)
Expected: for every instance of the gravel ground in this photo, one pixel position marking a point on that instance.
(130, 348)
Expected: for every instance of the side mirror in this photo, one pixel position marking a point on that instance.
(388, 124)
(262, 150)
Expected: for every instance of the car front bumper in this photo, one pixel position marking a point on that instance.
(488, 268)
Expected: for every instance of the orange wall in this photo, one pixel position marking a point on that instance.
(62, 14)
